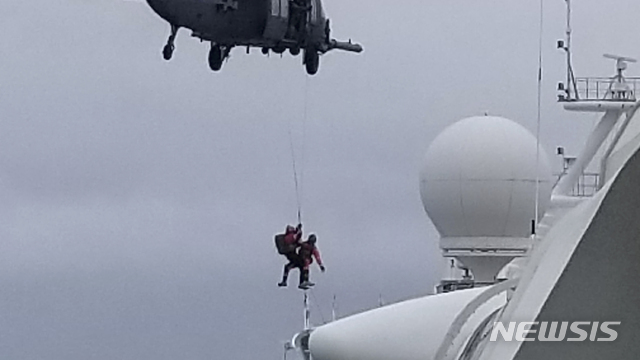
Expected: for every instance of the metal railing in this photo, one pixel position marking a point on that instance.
(603, 89)
(587, 185)
(446, 286)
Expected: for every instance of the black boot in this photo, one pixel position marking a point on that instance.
(283, 283)
(304, 280)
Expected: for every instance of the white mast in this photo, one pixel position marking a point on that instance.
(568, 50)
(307, 311)
(333, 308)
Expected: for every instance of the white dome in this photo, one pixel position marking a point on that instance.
(478, 179)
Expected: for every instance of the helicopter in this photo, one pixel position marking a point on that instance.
(299, 26)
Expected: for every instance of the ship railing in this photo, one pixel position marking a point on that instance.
(602, 89)
(446, 286)
(586, 186)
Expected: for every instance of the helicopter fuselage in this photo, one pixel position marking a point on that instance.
(273, 25)
(235, 23)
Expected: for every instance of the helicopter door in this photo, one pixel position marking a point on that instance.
(278, 20)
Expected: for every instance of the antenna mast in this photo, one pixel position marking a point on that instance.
(333, 308)
(569, 88)
(307, 311)
(568, 49)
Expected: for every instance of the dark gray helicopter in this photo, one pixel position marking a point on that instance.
(273, 25)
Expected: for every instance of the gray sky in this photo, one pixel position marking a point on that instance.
(139, 198)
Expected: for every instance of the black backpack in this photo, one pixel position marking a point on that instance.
(283, 248)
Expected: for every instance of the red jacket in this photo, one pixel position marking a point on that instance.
(291, 238)
(309, 251)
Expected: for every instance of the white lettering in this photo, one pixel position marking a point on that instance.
(524, 329)
(575, 328)
(594, 331)
(552, 331)
(612, 333)
(507, 335)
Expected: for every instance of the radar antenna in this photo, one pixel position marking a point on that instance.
(619, 89)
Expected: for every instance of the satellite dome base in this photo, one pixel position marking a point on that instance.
(485, 256)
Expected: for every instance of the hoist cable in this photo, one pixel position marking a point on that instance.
(298, 176)
(295, 178)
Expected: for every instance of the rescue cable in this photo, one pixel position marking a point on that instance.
(298, 179)
(295, 178)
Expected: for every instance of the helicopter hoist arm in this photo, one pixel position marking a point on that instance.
(333, 44)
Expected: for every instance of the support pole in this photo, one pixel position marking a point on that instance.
(568, 45)
(307, 311)
(333, 308)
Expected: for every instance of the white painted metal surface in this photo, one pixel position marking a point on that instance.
(594, 142)
(411, 330)
(598, 106)
(467, 321)
(623, 146)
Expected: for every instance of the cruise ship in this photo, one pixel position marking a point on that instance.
(548, 263)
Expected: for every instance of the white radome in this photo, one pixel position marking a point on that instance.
(479, 179)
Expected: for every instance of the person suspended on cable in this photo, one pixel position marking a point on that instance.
(287, 244)
(307, 252)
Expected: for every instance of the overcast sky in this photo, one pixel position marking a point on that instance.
(139, 198)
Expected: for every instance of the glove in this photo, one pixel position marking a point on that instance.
(299, 227)
(322, 268)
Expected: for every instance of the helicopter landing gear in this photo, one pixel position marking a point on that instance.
(167, 51)
(311, 60)
(217, 55)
